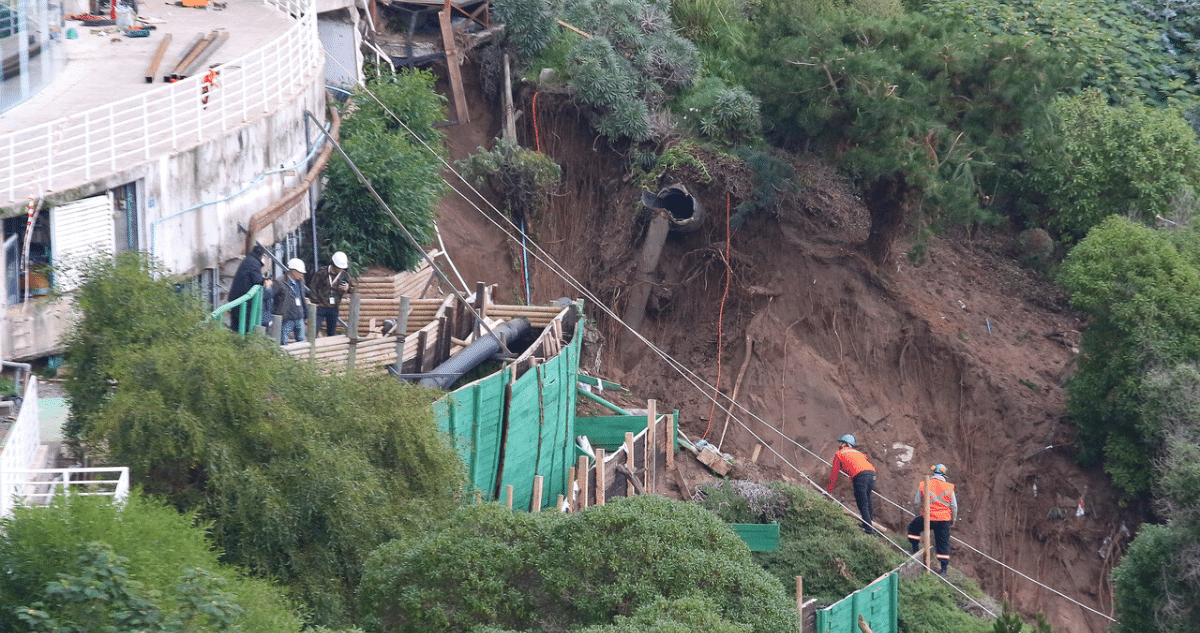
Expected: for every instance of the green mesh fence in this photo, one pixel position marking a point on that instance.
(878, 603)
(540, 437)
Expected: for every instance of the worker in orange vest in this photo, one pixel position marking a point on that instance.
(862, 475)
(943, 510)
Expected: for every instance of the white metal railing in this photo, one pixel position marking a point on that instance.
(21, 446)
(77, 149)
(38, 486)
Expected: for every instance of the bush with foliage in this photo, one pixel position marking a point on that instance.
(548, 571)
(926, 118)
(818, 541)
(522, 178)
(1122, 48)
(1159, 577)
(720, 112)
(301, 474)
(1141, 290)
(142, 564)
(1112, 160)
(402, 163)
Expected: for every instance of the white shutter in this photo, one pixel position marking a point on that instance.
(78, 231)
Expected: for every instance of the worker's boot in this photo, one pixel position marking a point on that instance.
(945, 565)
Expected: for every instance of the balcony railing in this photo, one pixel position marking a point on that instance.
(39, 486)
(77, 149)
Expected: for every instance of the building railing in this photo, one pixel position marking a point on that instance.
(77, 149)
(39, 486)
(21, 445)
(250, 315)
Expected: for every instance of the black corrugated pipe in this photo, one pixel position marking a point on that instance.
(475, 353)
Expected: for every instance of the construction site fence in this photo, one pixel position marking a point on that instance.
(878, 604)
(516, 427)
(80, 148)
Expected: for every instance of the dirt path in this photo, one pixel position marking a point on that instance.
(960, 360)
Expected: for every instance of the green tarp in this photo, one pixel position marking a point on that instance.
(759, 537)
(878, 603)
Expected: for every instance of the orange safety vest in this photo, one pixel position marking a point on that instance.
(939, 503)
(852, 461)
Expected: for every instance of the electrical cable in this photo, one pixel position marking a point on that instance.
(686, 373)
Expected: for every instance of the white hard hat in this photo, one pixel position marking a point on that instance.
(297, 264)
(340, 260)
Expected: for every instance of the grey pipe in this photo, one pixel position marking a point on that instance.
(18, 366)
(472, 355)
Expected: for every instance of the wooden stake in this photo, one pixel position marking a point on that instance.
(571, 498)
(581, 471)
(510, 121)
(754, 455)
(651, 444)
(558, 505)
(508, 496)
(478, 496)
(312, 331)
(152, 70)
(629, 464)
(737, 384)
(925, 537)
(536, 504)
(669, 444)
(800, 600)
(600, 483)
(401, 332)
(352, 330)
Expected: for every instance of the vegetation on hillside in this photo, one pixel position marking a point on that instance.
(402, 163)
(300, 474)
(83, 564)
(647, 559)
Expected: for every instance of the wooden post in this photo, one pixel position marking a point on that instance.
(581, 471)
(402, 332)
(422, 341)
(558, 505)
(571, 497)
(535, 505)
(311, 326)
(600, 482)
(508, 496)
(480, 306)
(452, 64)
(478, 496)
(629, 463)
(926, 536)
(754, 455)
(669, 441)
(800, 600)
(352, 330)
(651, 445)
(152, 70)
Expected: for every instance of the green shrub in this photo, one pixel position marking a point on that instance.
(158, 551)
(548, 571)
(404, 169)
(300, 474)
(818, 541)
(1113, 160)
(928, 605)
(528, 24)
(718, 111)
(522, 178)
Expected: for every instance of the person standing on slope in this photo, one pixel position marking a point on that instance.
(943, 510)
(862, 475)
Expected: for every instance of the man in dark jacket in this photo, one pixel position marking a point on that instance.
(249, 274)
(328, 286)
(291, 302)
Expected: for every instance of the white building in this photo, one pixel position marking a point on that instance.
(111, 162)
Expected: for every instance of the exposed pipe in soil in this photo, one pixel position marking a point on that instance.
(635, 310)
(475, 353)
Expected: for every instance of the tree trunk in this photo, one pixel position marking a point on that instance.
(888, 199)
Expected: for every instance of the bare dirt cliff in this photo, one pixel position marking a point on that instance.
(960, 360)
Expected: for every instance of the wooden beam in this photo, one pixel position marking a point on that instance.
(152, 70)
(452, 64)
(535, 505)
(600, 479)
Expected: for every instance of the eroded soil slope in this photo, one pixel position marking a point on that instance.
(959, 360)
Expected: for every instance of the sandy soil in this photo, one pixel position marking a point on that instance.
(959, 360)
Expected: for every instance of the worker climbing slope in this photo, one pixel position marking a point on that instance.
(862, 475)
(943, 510)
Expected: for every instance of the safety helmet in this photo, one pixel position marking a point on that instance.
(297, 264)
(847, 439)
(340, 260)
(938, 469)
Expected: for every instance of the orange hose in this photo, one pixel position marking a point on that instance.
(721, 322)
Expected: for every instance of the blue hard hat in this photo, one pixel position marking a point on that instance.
(847, 439)
(938, 469)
